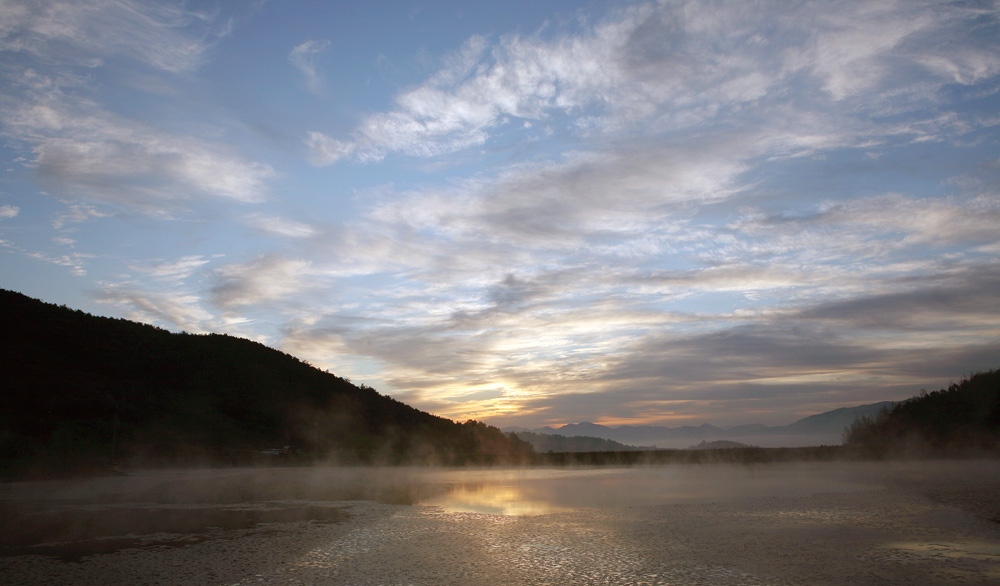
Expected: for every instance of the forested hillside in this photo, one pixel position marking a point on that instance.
(962, 417)
(81, 391)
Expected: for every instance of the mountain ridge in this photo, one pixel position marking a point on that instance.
(819, 429)
(83, 393)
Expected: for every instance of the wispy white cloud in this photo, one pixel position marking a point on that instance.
(77, 213)
(178, 270)
(76, 262)
(80, 145)
(163, 35)
(637, 195)
(303, 57)
(278, 226)
(9, 211)
(324, 150)
(81, 148)
(173, 309)
(674, 66)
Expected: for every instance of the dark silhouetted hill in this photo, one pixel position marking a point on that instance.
(80, 391)
(965, 416)
(720, 445)
(833, 422)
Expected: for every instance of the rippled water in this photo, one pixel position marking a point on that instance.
(829, 523)
(544, 491)
(719, 525)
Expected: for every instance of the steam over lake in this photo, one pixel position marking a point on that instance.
(829, 523)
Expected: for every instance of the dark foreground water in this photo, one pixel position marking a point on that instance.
(829, 523)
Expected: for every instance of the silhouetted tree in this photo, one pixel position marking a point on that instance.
(963, 416)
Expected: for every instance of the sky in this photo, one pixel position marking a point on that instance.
(525, 212)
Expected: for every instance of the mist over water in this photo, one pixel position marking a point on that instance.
(833, 522)
(536, 492)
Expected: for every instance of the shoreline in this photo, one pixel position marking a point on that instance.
(749, 455)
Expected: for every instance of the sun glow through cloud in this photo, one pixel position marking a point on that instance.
(623, 212)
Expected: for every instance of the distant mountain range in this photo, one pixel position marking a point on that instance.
(547, 442)
(814, 430)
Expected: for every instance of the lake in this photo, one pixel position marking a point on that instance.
(912, 522)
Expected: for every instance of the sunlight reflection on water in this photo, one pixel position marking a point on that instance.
(970, 549)
(506, 500)
(520, 492)
(828, 523)
(833, 523)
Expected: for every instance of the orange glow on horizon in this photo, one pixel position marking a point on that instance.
(612, 421)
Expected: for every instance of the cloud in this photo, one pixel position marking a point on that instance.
(182, 311)
(612, 271)
(323, 348)
(800, 303)
(82, 148)
(277, 226)
(75, 261)
(670, 247)
(9, 211)
(458, 106)
(632, 197)
(324, 150)
(178, 270)
(936, 222)
(687, 363)
(875, 227)
(748, 374)
(161, 35)
(966, 297)
(265, 279)
(303, 57)
(678, 65)
(852, 53)
(77, 213)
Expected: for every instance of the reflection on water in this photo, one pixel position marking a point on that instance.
(824, 524)
(977, 550)
(932, 523)
(520, 492)
(492, 499)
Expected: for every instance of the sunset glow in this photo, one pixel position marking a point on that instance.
(525, 213)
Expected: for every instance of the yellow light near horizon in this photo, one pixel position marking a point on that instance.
(507, 500)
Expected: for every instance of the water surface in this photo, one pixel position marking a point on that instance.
(542, 491)
(828, 524)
